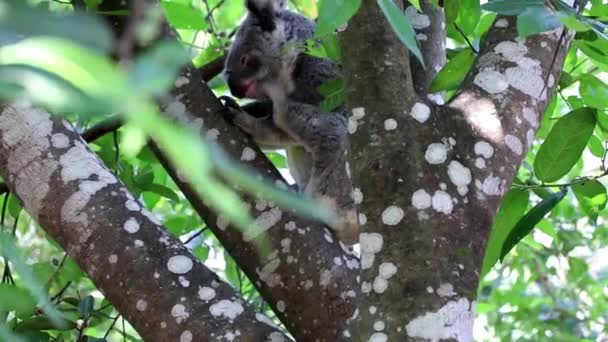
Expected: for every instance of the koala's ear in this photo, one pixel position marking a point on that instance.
(266, 11)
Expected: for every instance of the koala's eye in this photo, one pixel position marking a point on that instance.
(249, 62)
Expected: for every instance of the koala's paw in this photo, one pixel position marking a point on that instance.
(346, 222)
(232, 108)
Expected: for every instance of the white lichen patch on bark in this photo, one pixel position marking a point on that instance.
(60, 140)
(514, 144)
(420, 112)
(131, 225)
(179, 264)
(371, 243)
(419, 21)
(186, 336)
(248, 154)
(392, 215)
(484, 149)
(353, 120)
(452, 321)
(378, 337)
(206, 293)
(267, 275)
(179, 312)
(491, 81)
(460, 176)
(502, 23)
(442, 202)
(265, 221)
(436, 153)
(421, 199)
(227, 309)
(78, 163)
(446, 290)
(390, 124)
(25, 138)
(481, 114)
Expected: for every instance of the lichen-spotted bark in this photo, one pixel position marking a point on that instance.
(430, 186)
(431, 33)
(147, 274)
(308, 278)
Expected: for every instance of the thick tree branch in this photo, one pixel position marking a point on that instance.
(428, 219)
(431, 34)
(151, 278)
(307, 266)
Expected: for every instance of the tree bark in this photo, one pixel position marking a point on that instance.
(149, 276)
(428, 218)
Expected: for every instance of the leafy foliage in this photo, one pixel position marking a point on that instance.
(550, 286)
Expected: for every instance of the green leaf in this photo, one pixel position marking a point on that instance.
(91, 73)
(594, 92)
(12, 253)
(85, 307)
(333, 91)
(43, 323)
(592, 198)
(564, 144)
(13, 298)
(512, 208)
(469, 15)
(511, 7)
(453, 73)
(160, 190)
(572, 22)
(451, 9)
(154, 72)
(333, 14)
(14, 206)
(525, 225)
(18, 21)
(183, 16)
(596, 146)
(402, 27)
(535, 20)
(278, 160)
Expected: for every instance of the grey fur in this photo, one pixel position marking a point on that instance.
(269, 53)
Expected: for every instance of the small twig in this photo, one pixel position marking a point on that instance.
(57, 298)
(466, 39)
(195, 235)
(59, 267)
(102, 128)
(105, 336)
(559, 185)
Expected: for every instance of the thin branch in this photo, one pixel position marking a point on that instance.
(102, 128)
(560, 185)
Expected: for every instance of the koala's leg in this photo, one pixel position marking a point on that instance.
(324, 137)
(299, 161)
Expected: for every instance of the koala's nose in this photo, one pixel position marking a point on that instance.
(234, 85)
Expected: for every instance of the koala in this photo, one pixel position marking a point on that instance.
(266, 63)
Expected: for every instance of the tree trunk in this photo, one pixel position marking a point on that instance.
(432, 177)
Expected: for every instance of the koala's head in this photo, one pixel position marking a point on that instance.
(260, 52)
